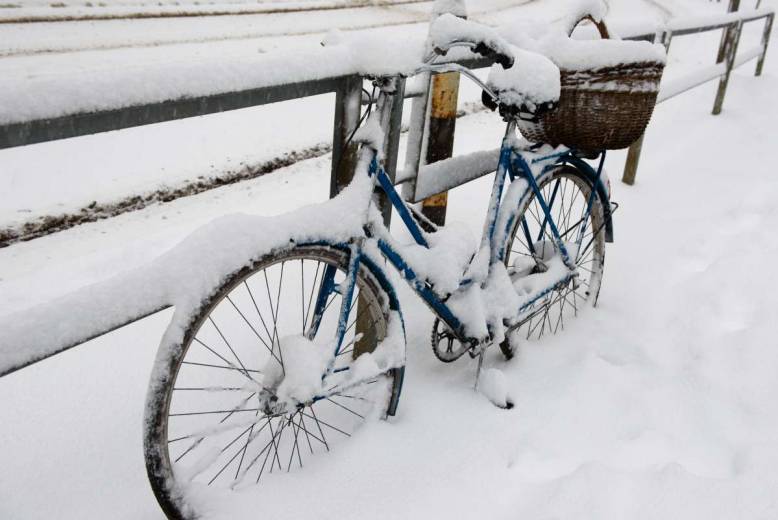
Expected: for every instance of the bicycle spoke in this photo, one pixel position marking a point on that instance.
(224, 467)
(210, 318)
(302, 297)
(253, 330)
(214, 389)
(560, 320)
(346, 408)
(245, 448)
(310, 298)
(276, 336)
(294, 446)
(261, 318)
(243, 370)
(254, 460)
(350, 397)
(200, 439)
(275, 446)
(307, 435)
(321, 432)
(264, 461)
(326, 424)
(222, 367)
(185, 414)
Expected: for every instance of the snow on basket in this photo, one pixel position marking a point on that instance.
(608, 92)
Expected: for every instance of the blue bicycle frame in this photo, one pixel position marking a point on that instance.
(515, 164)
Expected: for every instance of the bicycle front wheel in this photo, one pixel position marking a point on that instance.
(567, 192)
(212, 414)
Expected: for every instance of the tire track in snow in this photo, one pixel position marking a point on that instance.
(49, 224)
(413, 19)
(236, 10)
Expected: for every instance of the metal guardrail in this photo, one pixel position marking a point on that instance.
(348, 101)
(727, 60)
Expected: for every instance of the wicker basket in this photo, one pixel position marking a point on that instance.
(603, 109)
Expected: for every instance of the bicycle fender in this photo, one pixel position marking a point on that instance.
(590, 175)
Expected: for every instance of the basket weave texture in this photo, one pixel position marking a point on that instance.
(603, 109)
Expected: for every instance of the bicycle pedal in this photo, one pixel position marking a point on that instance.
(476, 349)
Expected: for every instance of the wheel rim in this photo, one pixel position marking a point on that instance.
(217, 428)
(570, 194)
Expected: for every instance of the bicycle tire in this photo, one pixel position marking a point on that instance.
(165, 476)
(574, 188)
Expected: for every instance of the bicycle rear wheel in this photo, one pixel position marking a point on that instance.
(212, 413)
(567, 192)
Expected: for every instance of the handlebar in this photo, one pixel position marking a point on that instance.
(501, 57)
(449, 31)
(454, 67)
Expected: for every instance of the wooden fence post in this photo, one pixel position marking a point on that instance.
(633, 158)
(734, 5)
(443, 100)
(440, 142)
(348, 103)
(768, 28)
(633, 155)
(730, 47)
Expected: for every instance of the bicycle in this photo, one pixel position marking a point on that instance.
(277, 365)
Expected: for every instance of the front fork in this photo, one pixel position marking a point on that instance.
(346, 289)
(569, 261)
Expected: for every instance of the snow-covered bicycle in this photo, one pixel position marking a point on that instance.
(295, 350)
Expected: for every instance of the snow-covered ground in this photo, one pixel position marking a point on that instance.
(658, 404)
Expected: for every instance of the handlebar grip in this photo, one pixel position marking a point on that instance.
(488, 101)
(488, 52)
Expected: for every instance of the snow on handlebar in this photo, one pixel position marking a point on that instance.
(449, 31)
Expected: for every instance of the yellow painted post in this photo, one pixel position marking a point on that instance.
(444, 97)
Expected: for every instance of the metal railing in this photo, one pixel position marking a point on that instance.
(422, 180)
(727, 60)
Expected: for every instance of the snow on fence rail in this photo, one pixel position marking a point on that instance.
(92, 311)
(727, 60)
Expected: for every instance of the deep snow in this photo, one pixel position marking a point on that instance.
(659, 404)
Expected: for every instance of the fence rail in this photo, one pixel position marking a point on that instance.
(421, 180)
(728, 59)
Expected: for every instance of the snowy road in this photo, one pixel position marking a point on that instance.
(256, 31)
(659, 404)
(261, 32)
(106, 168)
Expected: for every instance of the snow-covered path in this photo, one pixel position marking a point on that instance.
(253, 32)
(659, 404)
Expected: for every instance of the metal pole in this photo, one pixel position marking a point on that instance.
(733, 38)
(417, 127)
(348, 98)
(768, 28)
(393, 143)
